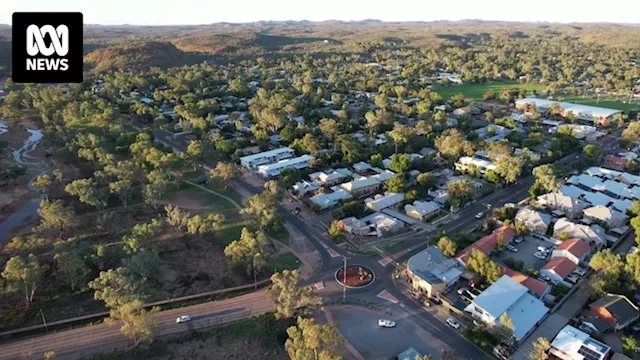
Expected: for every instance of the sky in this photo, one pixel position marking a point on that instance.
(193, 12)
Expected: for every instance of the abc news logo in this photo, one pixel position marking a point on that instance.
(47, 47)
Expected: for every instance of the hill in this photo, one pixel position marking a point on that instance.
(136, 56)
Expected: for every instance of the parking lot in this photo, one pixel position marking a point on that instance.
(360, 327)
(526, 249)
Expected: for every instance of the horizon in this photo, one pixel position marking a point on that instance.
(201, 12)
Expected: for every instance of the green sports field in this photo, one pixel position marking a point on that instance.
(476, 91)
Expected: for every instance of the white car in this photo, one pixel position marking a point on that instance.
(479, 215)
(518, 239)
(573, 278)
(580, 271)
(183, 319)
(512, 248)
(453, 323)
(462, 291)
(386, 323)
(540, 255)
(543, 277)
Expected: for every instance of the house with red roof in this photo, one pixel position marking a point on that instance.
(573, 249)
(535, 286)
(487, 244)
(558, 268)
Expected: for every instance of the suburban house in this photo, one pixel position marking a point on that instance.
(468, 164)
(376, 224)
(573, 249)
(616, 310)
(593, 234)
(487, 244)
(572, 344)
(614, 162)
(431, 272)
(558, 268)
(534, 220)
(382, 201)
(606, 215)
(362, 168)
(331, 177)
(422, 210)
(273, 170)
(327, 200)
(508, 296)
(440, 196)
(361, 185)
(591, 114)
(562, 204)
(251, 162)
(304, 187)
(536, 287)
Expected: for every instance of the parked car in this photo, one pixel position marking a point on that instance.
(636, 327)
(426, 303)
(183, 319)
(518, 239)
(540, 255)
(573, 278)
(386, 323)
(543, 277)
(580, 271)
(586, 328)
(543, 249)
(512, 248)
(480, 215)
(462, 291)
(435, 301)
(453, 323)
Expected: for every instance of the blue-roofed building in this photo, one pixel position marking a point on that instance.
(409, 354)
(431, 272)
(598, 198)
(571, 191)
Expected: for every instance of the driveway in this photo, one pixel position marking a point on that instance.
(360, 327)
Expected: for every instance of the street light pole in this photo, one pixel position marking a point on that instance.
(344, 279)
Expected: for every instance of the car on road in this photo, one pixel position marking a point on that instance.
(480, 215)
(518, 239)
(453, 323)
(512, 248)
(386, 323)
(183, 319)
(540, 255)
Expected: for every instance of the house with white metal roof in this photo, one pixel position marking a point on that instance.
(273, 170)
(466, 163)
(534, 220)
(304, 187)
(383, 201)
(594, 234)
(421, 210)
(562, 203)
(251, 162)
(327, 200)
(607, 215)
(432, 272)
(361, 185)
(574, 344)
(597, 198)
(508, 296)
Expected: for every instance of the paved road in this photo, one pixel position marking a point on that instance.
(97, 339)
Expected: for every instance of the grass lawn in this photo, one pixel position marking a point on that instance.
(256, 338)
(186, 195)
(605, 103)
(476, 91)
(226, 191)
(230, 232)
(395, 247)
(285, 261)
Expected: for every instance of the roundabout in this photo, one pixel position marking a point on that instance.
(355, 276)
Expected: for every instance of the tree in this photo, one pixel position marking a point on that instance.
(460, 192)
(158, 181)
(291, 300)
(336, 230)
(509, 168)
(400, 162)
(49, 355)
(193, 154)
(71, 268)
(482, 265)
(447, 246)
(88, 192)
(311, 341)
(629, 345)
(140, 237)
(54, 215)
(488, 95)
(142, 264)
(261, 210)
(607, 262)
(42, 183)
(546, 178)
(23, 275)
(114, 287)
(635, 224)
(400, 135)
(353, 209)
(376, 160)
(249, 251)
(201, 225)
(329, 127)
(177, 218)
(395, 184)
(539, 349)
(592, 151)
(632, 132)
(427, 180)
(452, 144)
(506, 322)
(225, 172)
(136, 322)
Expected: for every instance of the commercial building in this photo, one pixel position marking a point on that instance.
(558, 268)
(252, 162)
(574, 344)
(592, 114)
(273, 170)
(573, 249)
(431, 272)
(508, 296)
(487, 244)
